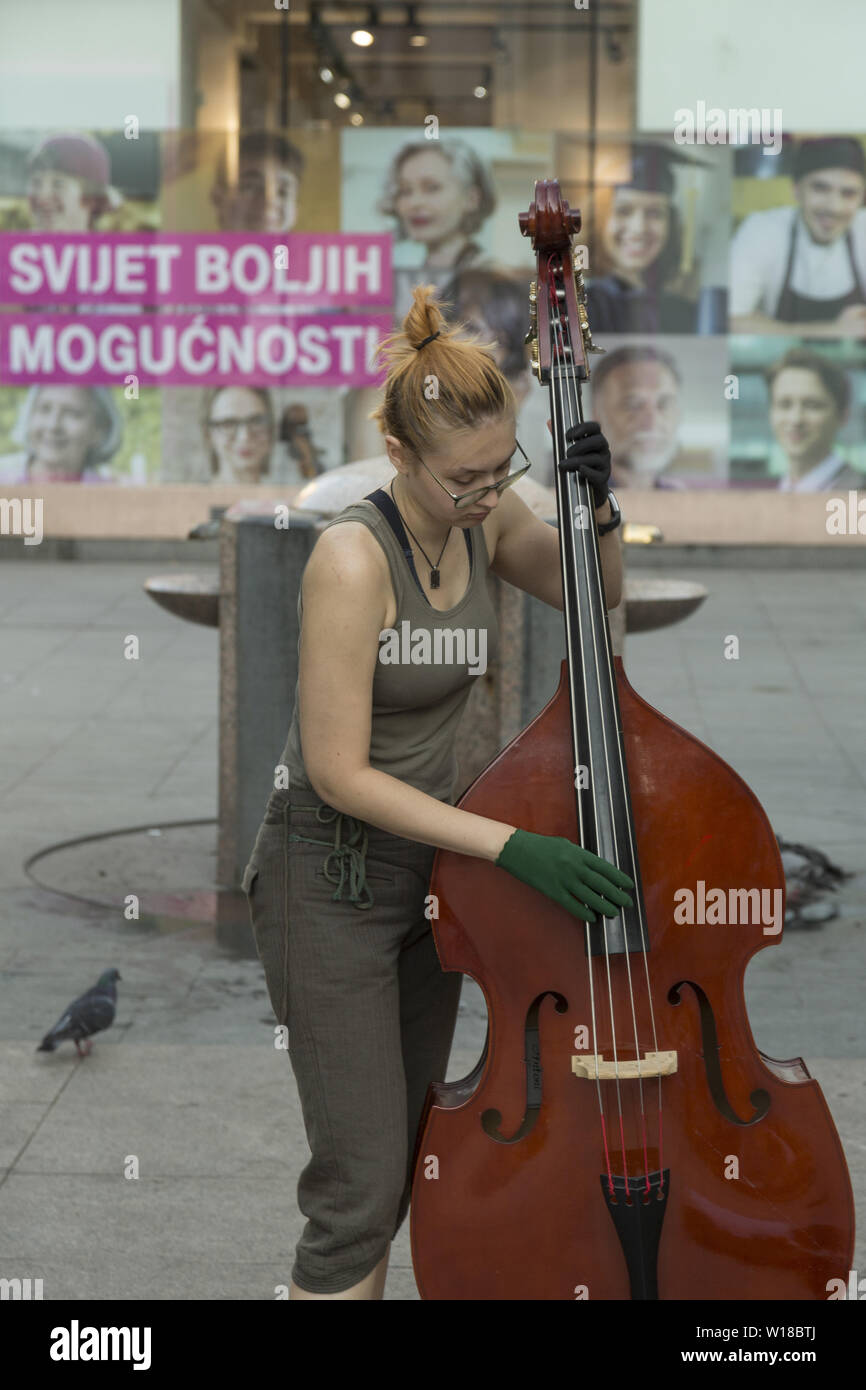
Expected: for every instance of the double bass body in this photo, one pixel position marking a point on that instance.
(759, 1203)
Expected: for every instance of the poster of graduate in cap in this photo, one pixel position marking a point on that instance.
(655, 228)
(798, 255)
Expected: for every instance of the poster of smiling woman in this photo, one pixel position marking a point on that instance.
(449, 198)
(64, 433)
(656, 231)
(799, 418)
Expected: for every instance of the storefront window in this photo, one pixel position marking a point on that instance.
(232, 235)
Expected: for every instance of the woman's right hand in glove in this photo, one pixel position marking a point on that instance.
(567, 874)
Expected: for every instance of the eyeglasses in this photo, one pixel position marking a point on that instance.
(465, 499)
(228, 428)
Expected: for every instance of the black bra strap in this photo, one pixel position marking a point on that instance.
(383, 500)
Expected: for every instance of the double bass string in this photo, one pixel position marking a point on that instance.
(591, 556)
(591, 561)
(591, 551)
(557, 408)
(558, 405)
(569, 376)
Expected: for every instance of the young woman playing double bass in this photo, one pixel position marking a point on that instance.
(339, 872)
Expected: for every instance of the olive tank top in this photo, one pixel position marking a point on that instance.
(426, 664)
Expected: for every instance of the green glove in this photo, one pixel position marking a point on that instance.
(569, 875)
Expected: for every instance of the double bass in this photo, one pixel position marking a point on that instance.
(621, 1136)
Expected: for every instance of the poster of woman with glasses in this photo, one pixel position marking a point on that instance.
(249, 434)
(238, 428)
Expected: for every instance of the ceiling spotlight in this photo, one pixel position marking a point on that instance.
(364, 37)
(417, 37)
(326, 74)
(484, 85)
(356, 118)
(343, 100)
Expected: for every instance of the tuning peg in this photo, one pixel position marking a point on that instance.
(583, 320)
(585, 329)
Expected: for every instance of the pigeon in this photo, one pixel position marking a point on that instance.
(89, 1014)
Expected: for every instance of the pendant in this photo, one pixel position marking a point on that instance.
(434, 579)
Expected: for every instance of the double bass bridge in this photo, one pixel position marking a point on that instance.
(595, 1067)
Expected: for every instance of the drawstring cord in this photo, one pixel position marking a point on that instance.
(346, 857)
(349, 855)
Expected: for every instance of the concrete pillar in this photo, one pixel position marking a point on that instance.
(260, 577)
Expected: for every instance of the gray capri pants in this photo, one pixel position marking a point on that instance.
(352, 971)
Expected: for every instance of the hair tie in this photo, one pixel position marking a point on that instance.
(418, 346)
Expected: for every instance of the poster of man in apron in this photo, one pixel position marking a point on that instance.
(802, 264)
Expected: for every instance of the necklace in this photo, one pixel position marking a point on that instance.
(434, 569)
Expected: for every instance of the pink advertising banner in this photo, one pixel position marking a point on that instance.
(339, 270)
(191, 349)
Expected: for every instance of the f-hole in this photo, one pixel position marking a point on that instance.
(491, 1119)
(760, 1099)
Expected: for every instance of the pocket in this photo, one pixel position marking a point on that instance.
(270, 840)
(264, 884)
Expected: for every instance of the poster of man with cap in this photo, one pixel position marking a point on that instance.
(77, 181)
(69, 184)
(804, 264)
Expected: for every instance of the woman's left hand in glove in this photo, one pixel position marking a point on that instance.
(588, 454)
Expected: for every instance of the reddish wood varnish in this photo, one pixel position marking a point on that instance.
(528, 1220)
